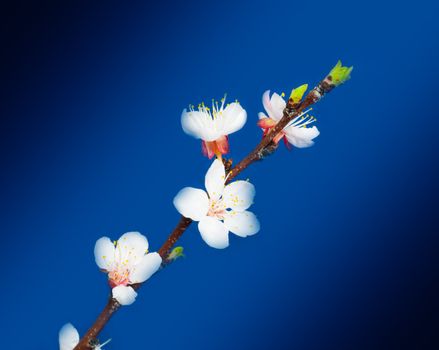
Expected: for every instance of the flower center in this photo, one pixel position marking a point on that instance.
(217, 209)
(119, 276)
(214, 112)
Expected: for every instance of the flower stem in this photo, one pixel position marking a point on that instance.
(291, 111)
(108, 311)
(174, 237)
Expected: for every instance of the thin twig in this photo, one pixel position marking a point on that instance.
(291, 111)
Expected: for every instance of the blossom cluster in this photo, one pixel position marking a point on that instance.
(219, 209)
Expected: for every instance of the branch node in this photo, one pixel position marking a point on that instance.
(267, 151)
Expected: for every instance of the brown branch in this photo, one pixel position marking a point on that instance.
(291, 111)
(108, 311)
(174, 237)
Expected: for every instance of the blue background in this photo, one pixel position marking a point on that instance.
(91, 145)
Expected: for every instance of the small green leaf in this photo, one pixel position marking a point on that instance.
(176, 253)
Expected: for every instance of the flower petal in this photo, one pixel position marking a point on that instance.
(149, 264)
(192, 203)
(68, 337)
(199, 125)
(215, 178)
(261, 115)
(266, 123)
(242, 224)
(130, 248)
(232, 119)
(192, 123)
(301, 137)
(277, 106)
(239, 195)
(104, 253)
(214, 233)
(267, 103)
(125, 295)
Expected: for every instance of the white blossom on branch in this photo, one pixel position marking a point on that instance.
(69, 337)
(221, 209)
(127, 262)
(214, 125)
(297, 132)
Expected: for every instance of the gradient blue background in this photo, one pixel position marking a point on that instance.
(91, 145)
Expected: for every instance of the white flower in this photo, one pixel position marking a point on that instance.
(221, 209)
(126, 261)
(296, 132)
(213, 126)
(69, 338)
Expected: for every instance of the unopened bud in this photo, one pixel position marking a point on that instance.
(339, 74)
(297, 93)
